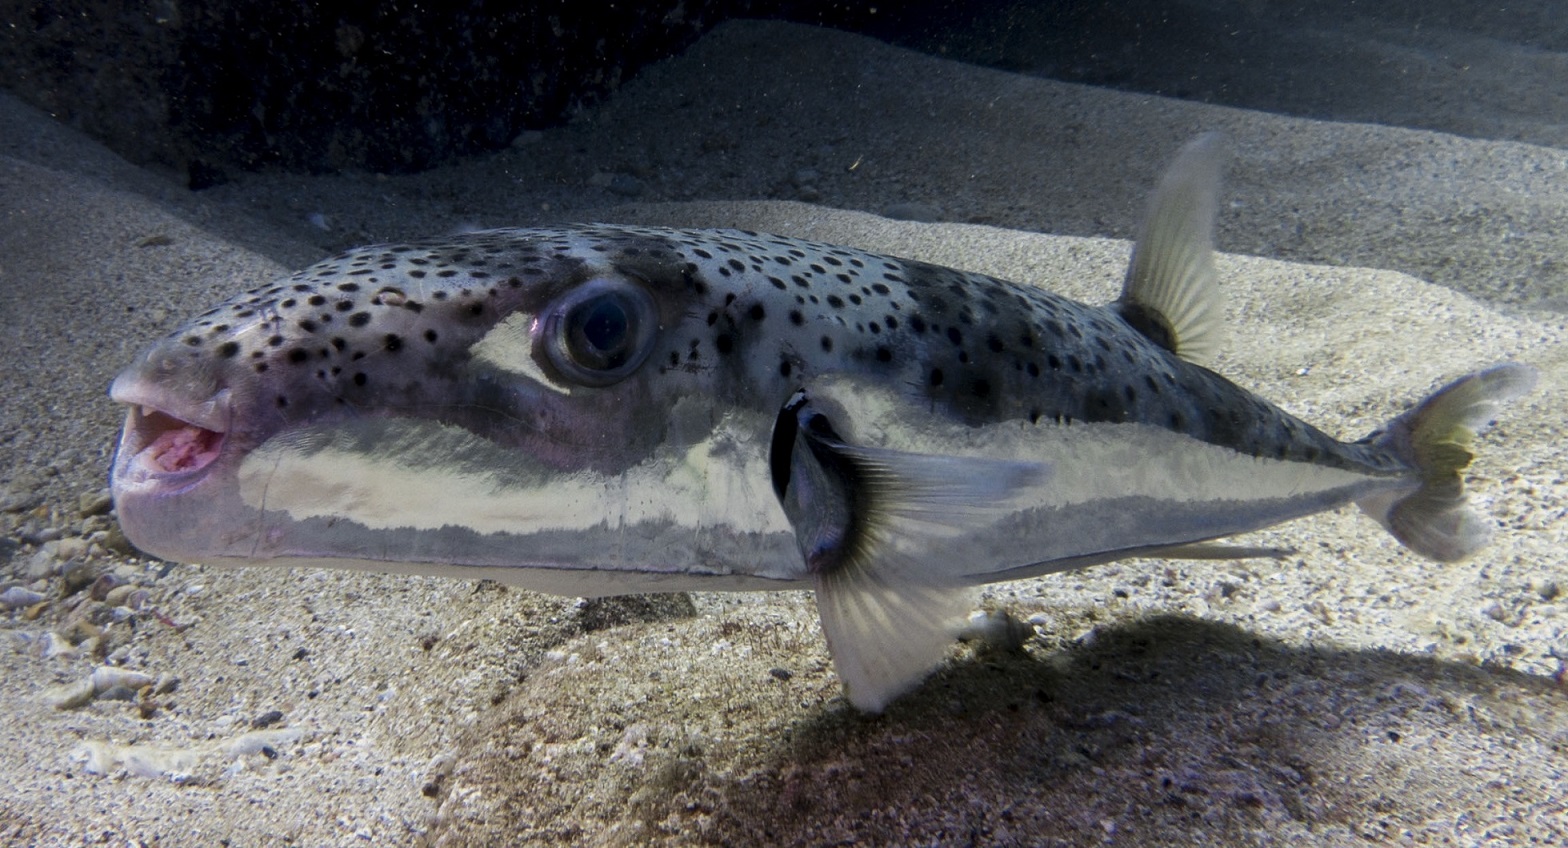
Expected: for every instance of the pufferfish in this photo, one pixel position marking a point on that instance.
(599, 409)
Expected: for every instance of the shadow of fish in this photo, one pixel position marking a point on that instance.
(594, 410)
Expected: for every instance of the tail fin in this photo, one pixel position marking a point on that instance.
(1436, 520)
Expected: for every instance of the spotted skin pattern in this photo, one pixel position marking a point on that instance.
(747, 316)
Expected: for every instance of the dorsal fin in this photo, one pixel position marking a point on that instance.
(1171, 294)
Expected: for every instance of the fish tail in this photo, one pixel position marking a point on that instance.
(1435, 439)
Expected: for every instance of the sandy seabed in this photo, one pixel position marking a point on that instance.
(1349, 693)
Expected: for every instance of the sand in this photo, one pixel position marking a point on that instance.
(1350, 692)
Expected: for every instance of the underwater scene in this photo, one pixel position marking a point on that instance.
(784, 423)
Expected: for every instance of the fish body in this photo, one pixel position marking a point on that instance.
(599, 409)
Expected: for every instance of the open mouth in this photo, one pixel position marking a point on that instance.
(158, 445)
(172, 446)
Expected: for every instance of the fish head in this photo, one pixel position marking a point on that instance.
(483, 400)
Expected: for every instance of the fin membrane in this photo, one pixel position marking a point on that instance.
(870, 524)
(1435, 437)
(1172, 294)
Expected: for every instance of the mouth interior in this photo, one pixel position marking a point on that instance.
(176, 446)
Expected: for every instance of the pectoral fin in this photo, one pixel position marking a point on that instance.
(869, 523)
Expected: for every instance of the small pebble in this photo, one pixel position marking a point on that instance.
(996, 629)
(103, 682)
(114, 540)
(17, 597)
(18, 500)
(53, 646)
(119, 594)
(78, 576)
(40, 565)
(71, 547)
(104, 585)
(267, 719)
(94, 503)
(780, 673)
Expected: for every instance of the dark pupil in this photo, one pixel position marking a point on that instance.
(604, 325)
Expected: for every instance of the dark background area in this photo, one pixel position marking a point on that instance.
(208, 90)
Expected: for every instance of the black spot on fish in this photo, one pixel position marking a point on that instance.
(228, 349)
(393, 342)
(827, 344)
(430, 336)
(724, 342)
(756, 312)
(796, 318)
(937, 376)
(884, 355)
(359, 319)
(360, 379)
(298, 355)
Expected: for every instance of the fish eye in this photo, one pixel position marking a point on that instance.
(598, 333)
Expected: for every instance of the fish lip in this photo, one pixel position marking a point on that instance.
(168, 443)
